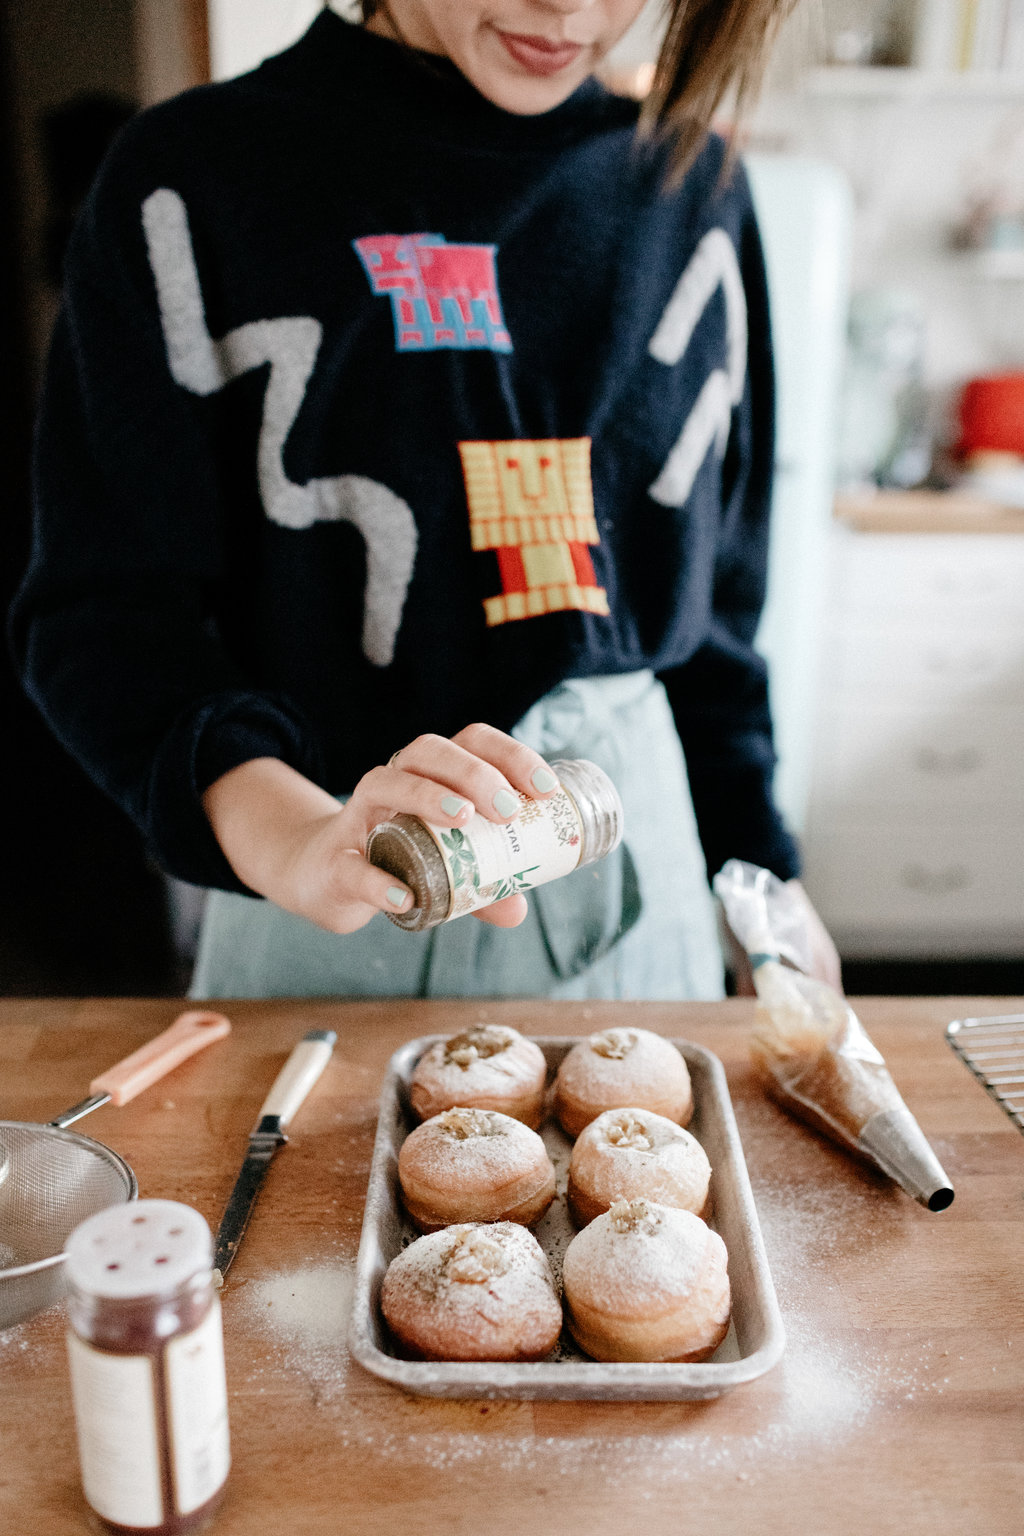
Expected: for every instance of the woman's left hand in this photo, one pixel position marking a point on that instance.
(823, 955)
(824, 959)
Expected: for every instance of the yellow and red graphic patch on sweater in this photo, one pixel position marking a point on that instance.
(531, 502)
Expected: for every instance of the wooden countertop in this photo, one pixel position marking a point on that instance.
(926, 512)
(897, 1407)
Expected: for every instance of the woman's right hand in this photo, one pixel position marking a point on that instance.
(292, 842)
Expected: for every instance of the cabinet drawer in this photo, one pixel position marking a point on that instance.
(928, 667)
(968, 760)
(950, 575)
(887, 875)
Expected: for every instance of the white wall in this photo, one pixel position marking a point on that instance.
(244, 32)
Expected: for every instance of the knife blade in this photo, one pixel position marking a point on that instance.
(290, 1087)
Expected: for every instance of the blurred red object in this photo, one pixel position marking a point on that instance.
(992, 414)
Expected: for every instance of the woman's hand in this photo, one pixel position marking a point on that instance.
(290, 841)
(822, 952)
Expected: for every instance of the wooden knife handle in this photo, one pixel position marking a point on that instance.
(299, 1073)
(189, 1033)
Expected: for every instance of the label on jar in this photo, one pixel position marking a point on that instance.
(119, 1431)
(197, 1412)
(487, 861)
(118, 1439)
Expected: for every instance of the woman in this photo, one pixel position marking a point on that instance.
(402, 385)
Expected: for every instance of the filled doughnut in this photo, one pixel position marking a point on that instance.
(633, 1154)
(473, 1293)
(622, 1069)
(488, 1067)
(646, 1282)
(474, 1165)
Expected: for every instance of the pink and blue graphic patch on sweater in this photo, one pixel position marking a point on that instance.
(441, 295)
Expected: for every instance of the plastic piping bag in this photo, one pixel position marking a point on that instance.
(809, 1046)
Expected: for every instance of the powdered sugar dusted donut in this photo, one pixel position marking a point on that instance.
(622, 1069)
(646, 1282)
(473, 1293)
(632, 1154)
(487, 1067)
(474, 1165)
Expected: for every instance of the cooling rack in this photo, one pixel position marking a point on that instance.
(993, 1049)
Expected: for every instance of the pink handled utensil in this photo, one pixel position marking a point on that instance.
(190, 1032)
(56, 1177)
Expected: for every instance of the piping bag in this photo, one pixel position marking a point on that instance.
(810, 1048)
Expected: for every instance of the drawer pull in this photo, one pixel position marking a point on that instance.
(935, 882)
(959, 760)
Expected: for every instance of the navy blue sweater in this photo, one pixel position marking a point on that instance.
(372, 410)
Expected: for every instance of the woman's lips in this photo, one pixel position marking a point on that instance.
(538, 55)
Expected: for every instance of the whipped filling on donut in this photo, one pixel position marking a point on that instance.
(477, 1045)
(615, 1044)
(463, 1124)
(474, 1259)
(626, 1129)
(635, 1216)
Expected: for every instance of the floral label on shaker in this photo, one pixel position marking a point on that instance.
(488, 861)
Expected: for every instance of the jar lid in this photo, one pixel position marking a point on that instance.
(144, 1248)
(404, 848)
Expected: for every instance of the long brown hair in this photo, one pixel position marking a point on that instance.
(713, 49)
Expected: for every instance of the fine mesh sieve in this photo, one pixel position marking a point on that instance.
(55, 1180)
(51, 1178)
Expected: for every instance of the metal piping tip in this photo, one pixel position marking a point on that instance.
(894, 1140)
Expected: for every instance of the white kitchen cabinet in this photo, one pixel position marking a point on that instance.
(914, 844)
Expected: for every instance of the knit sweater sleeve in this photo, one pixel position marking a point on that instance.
(113, 627)
(720, 698)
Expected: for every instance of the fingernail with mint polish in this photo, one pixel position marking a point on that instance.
(505, 803)
(543, 780)
(452, 805)
(397, 896)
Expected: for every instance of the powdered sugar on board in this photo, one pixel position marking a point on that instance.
(818, 1397)
(301, 1318)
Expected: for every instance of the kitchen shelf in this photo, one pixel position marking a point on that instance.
(926, 512)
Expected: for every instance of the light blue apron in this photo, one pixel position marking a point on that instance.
(639, 924)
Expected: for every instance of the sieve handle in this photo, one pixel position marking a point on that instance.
(189, 1033)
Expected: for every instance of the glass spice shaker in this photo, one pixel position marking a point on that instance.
(147, 1367)
(455, 870)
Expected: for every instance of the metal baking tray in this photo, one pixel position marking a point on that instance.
(755, 1340)
(993, 1049)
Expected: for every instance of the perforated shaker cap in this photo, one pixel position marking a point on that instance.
(144, 1248)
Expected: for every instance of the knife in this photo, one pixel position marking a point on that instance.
(291, 1085)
